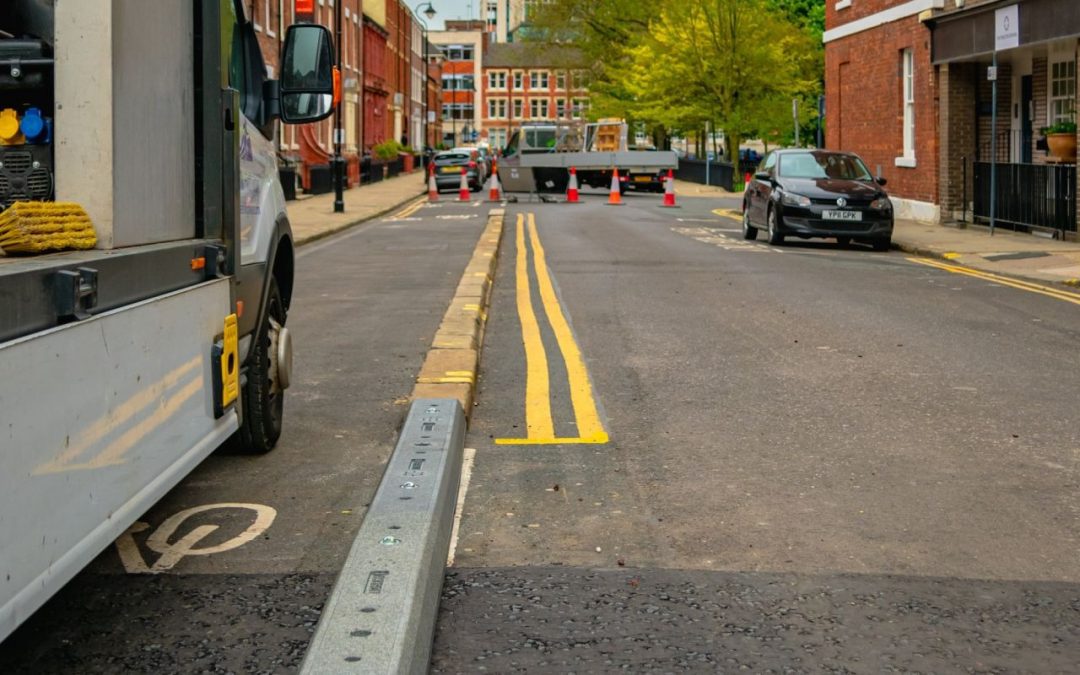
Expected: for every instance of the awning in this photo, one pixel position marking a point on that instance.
(966, 34)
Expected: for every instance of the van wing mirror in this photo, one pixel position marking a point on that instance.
(308, 86)
(881, 180)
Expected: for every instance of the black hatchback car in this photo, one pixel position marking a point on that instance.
(817, 193)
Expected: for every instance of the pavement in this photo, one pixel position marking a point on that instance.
(1005, 252)
(312, 216)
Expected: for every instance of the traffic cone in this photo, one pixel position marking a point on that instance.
(432, 185)
(463, 191)
(615, 197)
(572, 196)
(669, 190)
(494, 189)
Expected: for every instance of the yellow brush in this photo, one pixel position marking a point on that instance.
(34, 227)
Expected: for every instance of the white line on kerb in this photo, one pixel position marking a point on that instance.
(466, 473)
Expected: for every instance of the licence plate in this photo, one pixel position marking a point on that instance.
(450, 169)
(842, 215)
(643, 179)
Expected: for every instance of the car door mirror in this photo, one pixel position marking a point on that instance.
(881, 180)
(764, 176)
(309, 81)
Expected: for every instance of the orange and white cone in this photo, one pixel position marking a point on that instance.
(669, 190)
(615, 197)
(432, 184)
(494, 188)
(572, 196)
(463, 191)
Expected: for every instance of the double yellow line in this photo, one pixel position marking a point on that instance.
(1004, 281)
(409, 209)
(539, 423)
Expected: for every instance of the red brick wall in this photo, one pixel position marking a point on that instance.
(864, 99)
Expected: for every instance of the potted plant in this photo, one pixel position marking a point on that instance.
(1061, 137)
(387, 151)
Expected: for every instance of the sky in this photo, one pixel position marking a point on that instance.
(450, 9)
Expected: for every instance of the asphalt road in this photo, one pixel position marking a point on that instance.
(689, 453)
(820, 459)
(366, 306)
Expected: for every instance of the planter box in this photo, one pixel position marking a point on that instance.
(1062, 146)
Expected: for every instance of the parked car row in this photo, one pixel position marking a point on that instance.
(478, 164)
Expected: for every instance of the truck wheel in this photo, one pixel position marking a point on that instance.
(264, 395)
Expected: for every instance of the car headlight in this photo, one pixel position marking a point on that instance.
(881, 204)
(791, 199)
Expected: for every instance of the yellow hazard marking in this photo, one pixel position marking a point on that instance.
(950, 255)
(1048, 291)
(230, 362)
(590, 428)
(728, 213)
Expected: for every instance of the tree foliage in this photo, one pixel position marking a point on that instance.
(680, 63)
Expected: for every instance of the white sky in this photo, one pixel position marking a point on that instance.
(449, 9)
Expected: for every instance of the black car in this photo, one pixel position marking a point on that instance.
(817, 193)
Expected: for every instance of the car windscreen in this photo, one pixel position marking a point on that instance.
(451, 158)
(823, 165)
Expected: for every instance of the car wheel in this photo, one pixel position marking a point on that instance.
(843, 242)
(749, 232)
(263, 395)
(882, 244)
(776, 238)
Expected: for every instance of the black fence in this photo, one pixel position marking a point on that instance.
(721, 174)
(1028, 195)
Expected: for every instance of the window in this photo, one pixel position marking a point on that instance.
(497, 138)
(519, 108)
(560, 80)
(580, 107)
(1062, 91)
(909, 103)
(538, 80)
(497, 108)
(560, 108)
(538, 108)
(518, 80)
(497, 80)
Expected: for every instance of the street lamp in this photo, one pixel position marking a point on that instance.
(339, 131)
(430, 14)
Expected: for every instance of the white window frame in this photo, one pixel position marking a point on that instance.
(1068, 80)
(496, 108)
(518, 107)
(907, 103)
(269, 24)
(518, 78)
(538, 108)
(497, 80)
(536, 76)
(560, 80)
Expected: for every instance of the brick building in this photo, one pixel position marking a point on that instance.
(907, 88)
(527, 82)
(382, 73)
(462, 45)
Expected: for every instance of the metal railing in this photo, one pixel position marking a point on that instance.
(1029, 196)
(721, 174)
(1008, 145)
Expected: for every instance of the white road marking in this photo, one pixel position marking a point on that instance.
(465, 216)
(172, 553)
(467, 461)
